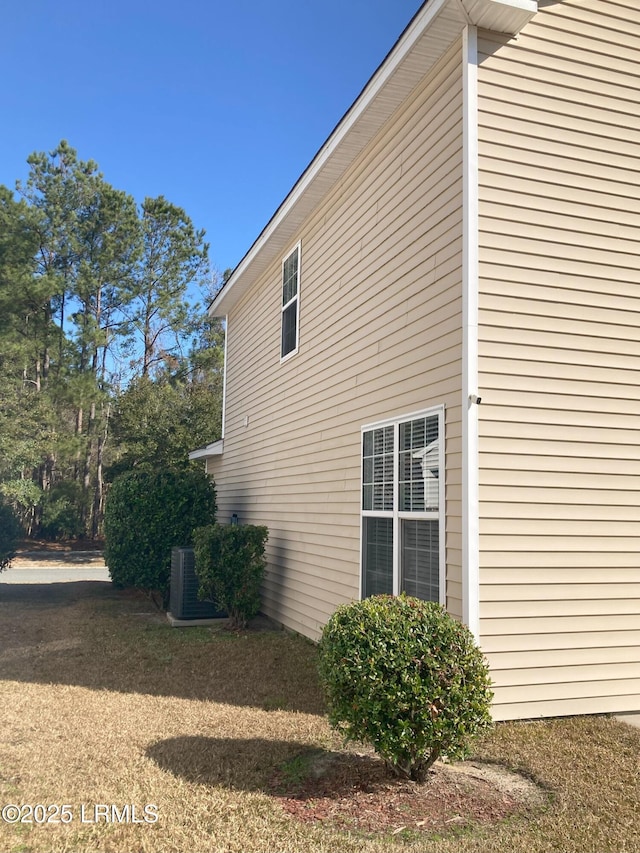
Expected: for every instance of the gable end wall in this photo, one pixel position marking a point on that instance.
(380, 336)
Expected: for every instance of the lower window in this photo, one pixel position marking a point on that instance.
(378, 556)
(403, 506)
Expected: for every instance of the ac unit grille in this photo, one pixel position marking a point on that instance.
(183, 593)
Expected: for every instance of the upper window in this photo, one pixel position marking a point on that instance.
(290, 303)
(403, 506)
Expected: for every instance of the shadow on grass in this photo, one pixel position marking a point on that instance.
(54, 594)
(250, 764)
(275, 767)
(91, 634)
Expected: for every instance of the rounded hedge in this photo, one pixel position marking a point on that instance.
(146, 515)
(406, 677)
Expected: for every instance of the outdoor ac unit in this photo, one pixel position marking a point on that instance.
(183, 594)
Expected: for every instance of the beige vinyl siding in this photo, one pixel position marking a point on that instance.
(380, 336)
(559, 345)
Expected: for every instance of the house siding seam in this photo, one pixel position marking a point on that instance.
(559, 361)
(380, 335)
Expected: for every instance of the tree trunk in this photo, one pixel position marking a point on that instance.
(46, 352)
(98, 500)
(86, 474)
(61, 336)
(147, 334)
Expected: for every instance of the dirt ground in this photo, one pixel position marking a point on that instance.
(354, 791)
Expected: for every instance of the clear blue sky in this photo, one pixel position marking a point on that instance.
(218, 106)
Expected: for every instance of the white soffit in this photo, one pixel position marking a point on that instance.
(213, 449)
(432, 31)
(502, 16)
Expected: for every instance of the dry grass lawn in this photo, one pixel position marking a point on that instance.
(103, 703)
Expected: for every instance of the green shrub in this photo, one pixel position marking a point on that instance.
(9, 534)
(23, 496)
(62, 512)
(146, 515)
(230, 564)
(406, 677)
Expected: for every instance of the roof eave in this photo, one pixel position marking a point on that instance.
(207, 452)
(427, 37)
(502, 16)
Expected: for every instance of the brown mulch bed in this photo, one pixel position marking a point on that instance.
(357, 792)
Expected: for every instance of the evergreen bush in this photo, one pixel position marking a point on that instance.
(62, 512)
(406, 677)
(146, 515)
(230, 564)
(9, 535)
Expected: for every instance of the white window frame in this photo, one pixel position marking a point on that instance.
(397, 515)
(296, 249)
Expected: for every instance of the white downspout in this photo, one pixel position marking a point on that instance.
(470, 479)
